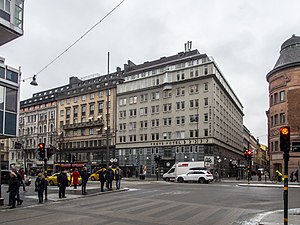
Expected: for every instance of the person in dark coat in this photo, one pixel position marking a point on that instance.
(85, 177)
(118, 178)
(102, 178)
(40, 184)
(292, 177)
(62, 180)
(19, 200)
(297, 176)
(13, 189)
(109, 177)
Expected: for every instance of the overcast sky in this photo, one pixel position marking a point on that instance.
(244, 37)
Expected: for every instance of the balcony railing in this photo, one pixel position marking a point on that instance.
(97, 123)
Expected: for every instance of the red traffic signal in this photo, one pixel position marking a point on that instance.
(248, 154)
(285, 138)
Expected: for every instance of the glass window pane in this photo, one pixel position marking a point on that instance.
(12, 76)
(2, 72)
(10, 123)
(1, 97)
(11, 100)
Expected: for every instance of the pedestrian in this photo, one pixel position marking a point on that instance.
(118, 178)
(13, 189)
(279, 175)
(40, 184)
(85, 178)
(19, 200)
(109, 177)
(216, 176)
(297, 176)
(102, 178)
(75, 176)
(62, 180)
(259, 175)
(22, 175)
(292, 177)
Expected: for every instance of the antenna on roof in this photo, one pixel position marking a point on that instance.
(188, 46)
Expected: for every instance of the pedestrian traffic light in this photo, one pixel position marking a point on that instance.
(41, 150)
(285, 138)
(157, 158)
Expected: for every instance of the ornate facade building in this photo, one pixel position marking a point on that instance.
(284, 109)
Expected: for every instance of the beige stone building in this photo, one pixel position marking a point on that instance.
(284, 109)
(180, 108)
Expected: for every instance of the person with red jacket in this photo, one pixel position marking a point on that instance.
(75, 176)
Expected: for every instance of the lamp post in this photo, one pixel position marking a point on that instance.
(107, 117)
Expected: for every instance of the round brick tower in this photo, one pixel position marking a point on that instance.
(284, 104)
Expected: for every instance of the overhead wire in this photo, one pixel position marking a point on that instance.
(75, 42)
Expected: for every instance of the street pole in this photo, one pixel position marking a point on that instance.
(285, 188)
(45, 169)
(248, 169)
(107, 117)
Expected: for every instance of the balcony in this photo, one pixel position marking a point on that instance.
(97, 123)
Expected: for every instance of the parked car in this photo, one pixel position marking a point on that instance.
(52, 180)
(201, 176)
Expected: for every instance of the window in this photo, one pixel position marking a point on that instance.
(75, 99)
(92, 96)
(83, 97)
(205, 117)
(276, 119)
(61, 113)
(167, 107)
(133, 100)
(62, 102)
(167, 94)
(167, 135)
(282, 117)
(281, 96)
(75, 112)
(155, 109)
(205, 101)
(91, 131)
(68, 101)
(179, 134)
(122, 101)
(205, 86)
(275, 98)
(83, 110)
(68, 113)
(155, 95)
(92, 109)
(132, 112)
(100, 94)
(143, 111)
(205, 132)
(205, 69)
(144, 98)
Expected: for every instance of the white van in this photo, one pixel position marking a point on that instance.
(182, 167)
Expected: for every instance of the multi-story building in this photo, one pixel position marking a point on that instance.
(180, 108)
(9, 107)
(284, 107)
(72, 119)
(11, 20)
(37, 124)
(86, 116)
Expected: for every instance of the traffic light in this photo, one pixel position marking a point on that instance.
(285, 139)
(50, 152)
(73, 158)
(248, 154)
(41, 150)
(157, 158)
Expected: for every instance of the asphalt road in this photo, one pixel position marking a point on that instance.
(151, 202)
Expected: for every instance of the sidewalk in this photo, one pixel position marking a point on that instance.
(276, 217)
